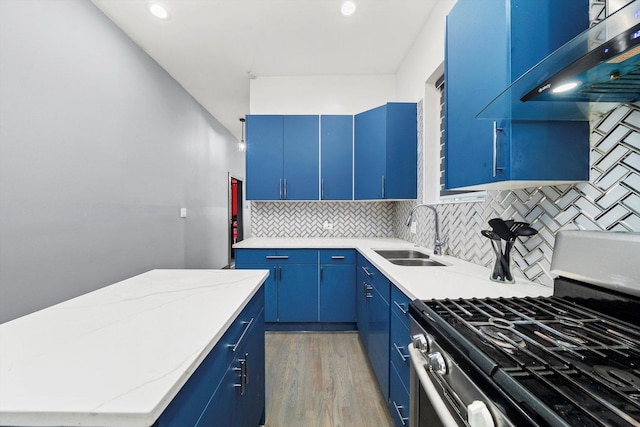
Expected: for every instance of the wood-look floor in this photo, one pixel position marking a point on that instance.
(321, 379)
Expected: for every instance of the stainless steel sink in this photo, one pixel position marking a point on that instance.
(401, 253)
(416, 262)
(408, 257)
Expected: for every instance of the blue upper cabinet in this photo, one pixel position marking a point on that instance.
(301, 157)
(489, 44)
(385, 150)
(282, 158)
(336, 141)
(264, 157)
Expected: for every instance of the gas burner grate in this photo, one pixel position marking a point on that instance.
(568, 361)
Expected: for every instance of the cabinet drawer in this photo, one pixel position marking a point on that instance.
(337, 256)
(237, 333)
(399, 352)
(366, 270)
(398, 399)
(400, 304)
(279, 256)
(382, 285)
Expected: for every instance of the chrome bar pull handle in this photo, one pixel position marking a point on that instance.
(280, 189)
(243, 370)
(399, 408)
(246, 368)
(382, 192)
(337, 257)
(367, 289)
(366, 271)
(285, 188)
(321, 273)
(235, 346)
(496, 129)
(405, 357)
(400, 306)
(322, 189)
(277, 257)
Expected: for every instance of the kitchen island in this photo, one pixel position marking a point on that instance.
(126, 354)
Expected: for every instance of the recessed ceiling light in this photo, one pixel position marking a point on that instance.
(565, 87)
(348, 8)
(158, 11)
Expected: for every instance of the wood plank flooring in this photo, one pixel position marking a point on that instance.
(321, 379)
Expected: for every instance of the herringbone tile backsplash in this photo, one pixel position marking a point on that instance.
(305, 219)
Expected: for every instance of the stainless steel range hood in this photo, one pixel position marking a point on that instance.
(591, 73)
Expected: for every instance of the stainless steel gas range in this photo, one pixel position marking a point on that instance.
(572, 359)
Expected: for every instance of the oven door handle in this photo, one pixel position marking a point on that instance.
(419, 367)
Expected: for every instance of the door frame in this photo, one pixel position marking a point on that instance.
(239, 217)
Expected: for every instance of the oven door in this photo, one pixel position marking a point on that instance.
(427, 408)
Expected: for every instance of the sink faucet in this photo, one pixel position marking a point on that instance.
(437, 244)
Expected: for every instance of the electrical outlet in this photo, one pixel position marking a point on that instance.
(327, 226)
(413, 227)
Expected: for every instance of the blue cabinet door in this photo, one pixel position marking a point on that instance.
(370, 153)
(301, 158)
(401, 151)
(516, 34)
(337, 293)
(336, 140)
(378, 346)
(398, 399)
(364, 292)
(251, 404)
(264, 157)
(475, 35)
(298, 293)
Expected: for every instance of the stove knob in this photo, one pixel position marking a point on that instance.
(478, 415)
(437, 365)
(420, 343)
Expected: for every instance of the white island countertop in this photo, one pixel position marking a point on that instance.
(457, 279)
(119, 355)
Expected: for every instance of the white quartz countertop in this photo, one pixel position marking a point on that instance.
(457, 279)
(119, 355)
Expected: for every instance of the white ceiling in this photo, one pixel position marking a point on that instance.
(210, 46)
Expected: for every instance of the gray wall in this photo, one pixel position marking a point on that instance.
(99, 148)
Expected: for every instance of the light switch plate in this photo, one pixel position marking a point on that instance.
(413, 228)
(183, 212)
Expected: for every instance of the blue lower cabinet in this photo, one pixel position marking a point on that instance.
(337, 293)
(398, 399)
(364, 293)
(337, 286)
(378, 339)
(400, 340)
(291, 291)
(307, 289)
(228, 387)
(373, 314)
(298, 293)
(400, 370)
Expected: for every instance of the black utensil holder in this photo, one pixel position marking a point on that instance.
(502, 268)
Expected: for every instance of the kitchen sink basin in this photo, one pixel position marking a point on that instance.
(408, 257)
(416, 262)
(401, 253)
